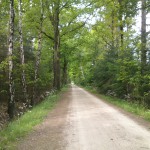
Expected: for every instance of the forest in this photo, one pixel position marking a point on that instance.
(46, 44)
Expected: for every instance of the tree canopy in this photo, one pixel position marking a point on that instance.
(45, 45)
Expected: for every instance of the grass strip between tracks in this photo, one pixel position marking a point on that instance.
(134, 108)
(17, 129)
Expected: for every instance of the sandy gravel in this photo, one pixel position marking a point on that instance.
(82, 121)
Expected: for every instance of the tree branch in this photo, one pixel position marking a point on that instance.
(64, 6)
(50, 37)
(78, 27)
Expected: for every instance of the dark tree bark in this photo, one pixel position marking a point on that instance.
(65, 75)
(143, 38)
(11, 101)
(121, 27)
(56, 46)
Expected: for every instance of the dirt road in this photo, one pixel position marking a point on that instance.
(81, 121)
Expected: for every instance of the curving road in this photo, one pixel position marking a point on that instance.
(82, 121)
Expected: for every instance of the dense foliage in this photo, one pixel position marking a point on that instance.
(88, 42)
(115, 54)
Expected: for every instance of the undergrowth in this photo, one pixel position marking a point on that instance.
(23, 125)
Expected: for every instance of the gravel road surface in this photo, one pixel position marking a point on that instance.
(81, 121)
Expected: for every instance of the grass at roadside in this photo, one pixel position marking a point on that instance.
(23, 125)
(126, 105)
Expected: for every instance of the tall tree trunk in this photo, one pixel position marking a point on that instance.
(113, 38)
(56, 47)
(11, 101)
(121, 28)
(143, 38)
(23, 76)
(38, 56)
(112, 27)
(65, 64)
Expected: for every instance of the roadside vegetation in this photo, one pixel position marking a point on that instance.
(45, 45)
(20, 127)
(130, 106)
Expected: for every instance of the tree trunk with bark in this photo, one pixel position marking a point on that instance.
(23, 76)
(65, 65)
(121, 28)
(11, 101)
(56, 47)
(143, 38)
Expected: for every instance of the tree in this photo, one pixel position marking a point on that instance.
(143, 38)
(55, 23)
(23, 76)
(61, 26)
(11, 101)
